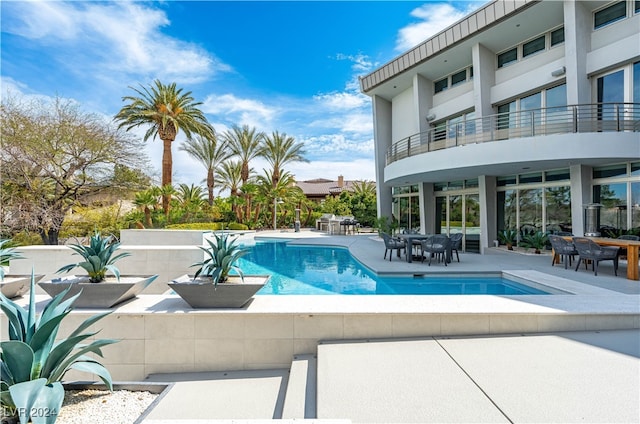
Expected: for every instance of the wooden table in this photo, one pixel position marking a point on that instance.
(632, 246)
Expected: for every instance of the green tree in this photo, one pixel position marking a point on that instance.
(166, 110)
(280, 150)
(53, 156)
(145, 200)
(246, 144)
(191, 199)
(210, 152)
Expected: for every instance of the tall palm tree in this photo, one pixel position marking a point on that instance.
(166, 110)
(283, 191)
(210, 152)
(279, 150)
(246, 144)
(190, 198)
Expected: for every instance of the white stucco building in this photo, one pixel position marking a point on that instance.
(515, 117)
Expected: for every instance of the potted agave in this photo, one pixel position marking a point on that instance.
(212, 286)
(12, 285)
(98, 290)
(33, 366)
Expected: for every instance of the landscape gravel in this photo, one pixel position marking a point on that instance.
(102, 407)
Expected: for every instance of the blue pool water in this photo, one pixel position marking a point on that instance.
(329, 270)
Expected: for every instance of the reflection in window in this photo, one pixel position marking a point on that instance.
(557, 36)
(531, 210)
(613, 215)
(558, 209)
(507, 57)
(635, 205)
(533, 46)
(507, 210)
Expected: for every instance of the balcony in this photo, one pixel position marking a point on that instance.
(588, 118)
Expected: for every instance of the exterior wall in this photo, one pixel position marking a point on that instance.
(158, 334)
(382, 136)
(404, 117)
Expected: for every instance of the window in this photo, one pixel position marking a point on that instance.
(636, 82)
(558, 175)
(610, 14)
(507, 57)
(610, 171)
(557, 36)
(441, 85)
(458, 77)
(636, 8)
(533, 46)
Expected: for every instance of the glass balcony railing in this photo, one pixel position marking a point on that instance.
(589, 118)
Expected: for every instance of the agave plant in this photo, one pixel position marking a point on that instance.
(98, 257)
(33, 364)
(7, 254)
(220, 258)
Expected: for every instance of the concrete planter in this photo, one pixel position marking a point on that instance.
(201, 293)
(105, 294)
(17, 285)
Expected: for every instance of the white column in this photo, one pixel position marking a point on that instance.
(581, 194)
(382, 140)
(488, 211)
(578, 26)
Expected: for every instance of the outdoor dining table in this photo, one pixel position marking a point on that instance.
(409, 238)
(632, 246)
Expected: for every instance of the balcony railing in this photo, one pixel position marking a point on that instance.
(600, 117)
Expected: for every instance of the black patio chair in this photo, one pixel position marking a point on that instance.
(590, 250)
(632, 237)
(456, 244)
(563, 248)
(391, 244)
(436, 246)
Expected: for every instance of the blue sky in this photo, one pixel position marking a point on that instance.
(290, 66)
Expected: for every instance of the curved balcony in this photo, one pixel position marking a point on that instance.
(587, 118)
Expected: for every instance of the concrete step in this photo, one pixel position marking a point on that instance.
(300, 399)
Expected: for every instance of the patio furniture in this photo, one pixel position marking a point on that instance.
(562, 248)
(456, 244)
(623, 250)
(438, 246)
(413, 239)
(391, 244)
(590, 250)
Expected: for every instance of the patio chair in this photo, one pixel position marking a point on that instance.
(436, 246)
(391, 244)
(564, 249)
(590, 250)
(456, 243)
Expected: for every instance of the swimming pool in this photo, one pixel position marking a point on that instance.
(296, 269)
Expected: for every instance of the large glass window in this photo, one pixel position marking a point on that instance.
(635, 205)
(556, 96)
(636, 82)
(531, 103)
(459, 77)
(507, 210)
(613, 215)
(558, 209)
(610, 14)
(530, 210)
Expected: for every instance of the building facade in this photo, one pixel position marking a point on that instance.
(518, 116)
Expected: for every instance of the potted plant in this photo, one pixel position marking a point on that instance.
(33, 365)
(508, 238)
(212, 286)
(12, 285)
(98, 290)
(536, 241)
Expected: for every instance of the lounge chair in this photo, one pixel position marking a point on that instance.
(436, 246)
(391, 244)
(456, 244)
(563, 248)
(590, 250)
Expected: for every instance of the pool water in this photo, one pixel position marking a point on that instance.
(323, 270)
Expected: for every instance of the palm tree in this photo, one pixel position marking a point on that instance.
(247, 145)
(279, 150)
(364, 188)
(191, 199)
(145, 200)
(166, 110)
(210, 152)
(284, 190)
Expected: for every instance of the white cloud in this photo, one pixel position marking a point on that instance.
(119, 37)
(240, 111)
(433, 18)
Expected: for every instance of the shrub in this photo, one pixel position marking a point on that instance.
(221, 256)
